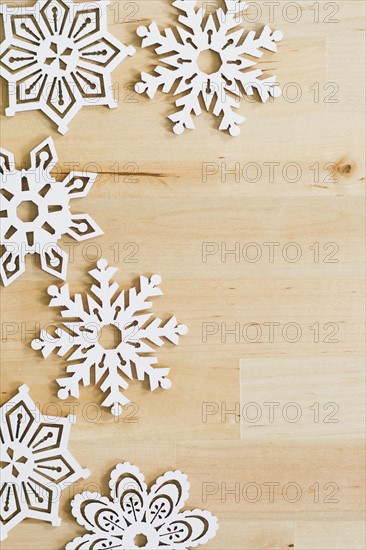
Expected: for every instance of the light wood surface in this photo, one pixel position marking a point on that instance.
(153, 192)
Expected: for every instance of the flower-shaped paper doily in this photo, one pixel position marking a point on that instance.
(233, 70)
(35, 462)
(58, 57)
(135, 517)
(35, 212)
(134, 331)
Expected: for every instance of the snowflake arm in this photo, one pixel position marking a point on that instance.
(80, 373)
(190, 103)
(230, 120)
(155, 331)
(166, 76)
(267, 39)
(47, 343)
(112, 385)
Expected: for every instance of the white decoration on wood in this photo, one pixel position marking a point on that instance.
(134, 517)
(35, 212)
(35, 462)
(58, 57)
(226, 85)
(134, 335)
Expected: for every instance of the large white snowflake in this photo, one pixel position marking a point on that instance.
(35, 462)
(135, 333)
(134, 517)
(35, 212)
(58, 56)
(233, 75)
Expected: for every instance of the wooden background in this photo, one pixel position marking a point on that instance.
(151, 192)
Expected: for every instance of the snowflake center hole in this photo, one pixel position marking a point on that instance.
(16, 462)
(59, 55)
(27, 211)
(140, 541)
(209, 61)
(110, 337)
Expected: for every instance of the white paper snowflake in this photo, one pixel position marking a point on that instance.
(35, 212)
(135, 333)
(137, 518)
(233, 75)
(58, 56)
(35, 462)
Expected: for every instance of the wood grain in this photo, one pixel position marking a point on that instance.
(177, 206)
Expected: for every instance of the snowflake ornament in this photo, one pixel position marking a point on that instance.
(134, 517)
(35, 212)
(35, 462)
(58, 56)
(233, 75)
(135, 333)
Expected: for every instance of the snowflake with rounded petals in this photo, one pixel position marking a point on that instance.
(35, 463)
(181, 51)
(134, 517)
(58, 56)
(133, 334)
(35, 212)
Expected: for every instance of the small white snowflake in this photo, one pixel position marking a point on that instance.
(135, 334)
(35, 212)
(35, 462)
(230, 80)
(135, 517)
(58, 56)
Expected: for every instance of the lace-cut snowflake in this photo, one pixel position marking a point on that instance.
(134, 330)
(137, 518)
(233, 75)
(35, 212)
(58, 56)
(35, 463)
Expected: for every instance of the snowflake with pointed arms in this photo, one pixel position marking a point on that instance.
(133, 333)
(137, 518)
(35, 463)
(230, 76)
(58, 56)
(35, 212)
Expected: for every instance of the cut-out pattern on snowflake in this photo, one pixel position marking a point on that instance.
(228, 82)
(58, 57)
(134, 517)
(131, 349)
(35, 462)
(35, 212)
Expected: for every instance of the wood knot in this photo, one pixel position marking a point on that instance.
(345, 168)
